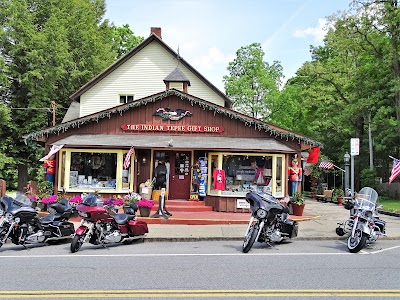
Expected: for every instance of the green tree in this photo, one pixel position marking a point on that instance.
(50, 48)
(124, 40)
(253, 84)
(349, 85)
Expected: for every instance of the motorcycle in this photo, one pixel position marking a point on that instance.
(269, 221)
(22, 226)
(363, 226)
(100, 224)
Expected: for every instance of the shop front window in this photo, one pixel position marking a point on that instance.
(93, 171)
(235, 175)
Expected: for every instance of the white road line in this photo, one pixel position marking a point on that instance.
(173, 254)
(379, 251)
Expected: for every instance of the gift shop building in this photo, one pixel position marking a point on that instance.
(157, 105)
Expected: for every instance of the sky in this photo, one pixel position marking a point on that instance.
(209, 32)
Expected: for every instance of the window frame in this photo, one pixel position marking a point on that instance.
(64, 168)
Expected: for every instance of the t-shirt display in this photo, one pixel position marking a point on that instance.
(241, 173)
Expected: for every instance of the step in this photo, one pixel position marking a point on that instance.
(182, 203)
(185, 208)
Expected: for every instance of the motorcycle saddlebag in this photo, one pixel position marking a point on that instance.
(381, 224)
(138, 227)
(290, 227)
(66, 228)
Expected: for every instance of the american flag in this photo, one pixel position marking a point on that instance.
(127, 160)
(326, 165)
(395, 170)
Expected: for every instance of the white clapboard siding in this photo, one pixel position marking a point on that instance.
(142, 75)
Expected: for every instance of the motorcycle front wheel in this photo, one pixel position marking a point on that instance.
(3, 232)
(250, 238)
(356, 243)
(77, 242)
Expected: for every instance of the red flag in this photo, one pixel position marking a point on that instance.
(313, 156)
(326, 165)
(395, 170)
(127, 160)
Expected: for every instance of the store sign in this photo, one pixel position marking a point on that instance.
(242, 203)
(172, 128)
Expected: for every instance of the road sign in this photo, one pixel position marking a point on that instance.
(354, 146)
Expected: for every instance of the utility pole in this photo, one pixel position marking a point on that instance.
(53, 109)
(371, 154)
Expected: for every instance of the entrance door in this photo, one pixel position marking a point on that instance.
(179, 178)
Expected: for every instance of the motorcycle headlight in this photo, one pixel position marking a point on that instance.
(261, 213)
(17, 220)
(368, 214)
(8, 216)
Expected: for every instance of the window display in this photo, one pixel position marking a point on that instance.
(93, 171)
(241, 173)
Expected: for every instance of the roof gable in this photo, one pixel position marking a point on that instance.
(152, 38)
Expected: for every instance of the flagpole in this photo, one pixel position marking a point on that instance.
(393, 157)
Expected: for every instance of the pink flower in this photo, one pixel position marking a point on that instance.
(76, 199)
(49, 199)
(33, 198)
(145, 203)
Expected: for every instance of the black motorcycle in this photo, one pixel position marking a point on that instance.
(22, 225)
(269, 221)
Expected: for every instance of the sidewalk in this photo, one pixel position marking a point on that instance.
(320, 224)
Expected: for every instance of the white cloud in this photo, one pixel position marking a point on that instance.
(213, 57)
(317, 32)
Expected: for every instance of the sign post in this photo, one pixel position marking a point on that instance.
(354, 150)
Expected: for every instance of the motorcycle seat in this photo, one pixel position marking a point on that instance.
(122, 219)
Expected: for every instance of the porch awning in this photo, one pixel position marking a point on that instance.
(175, 142)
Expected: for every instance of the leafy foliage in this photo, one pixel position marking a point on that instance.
(253, 84)
(49, 49)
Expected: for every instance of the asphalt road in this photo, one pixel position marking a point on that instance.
(201, 270)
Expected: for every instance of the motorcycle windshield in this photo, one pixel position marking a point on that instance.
(22, 200)
(10, 204)
(268, 198)
(367, 198)
(92, 200)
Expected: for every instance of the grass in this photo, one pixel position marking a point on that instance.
(389, 204)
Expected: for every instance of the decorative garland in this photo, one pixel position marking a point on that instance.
(260, 125)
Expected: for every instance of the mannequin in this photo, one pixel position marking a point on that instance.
(161, 175)
(49, 168)
(294, 175)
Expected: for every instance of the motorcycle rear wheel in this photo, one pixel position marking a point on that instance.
(250, 238)
(358, 242)
(76, 243)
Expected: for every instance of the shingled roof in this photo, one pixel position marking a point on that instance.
(177, 76)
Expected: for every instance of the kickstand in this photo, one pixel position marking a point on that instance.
(104, 246)
(271, 245)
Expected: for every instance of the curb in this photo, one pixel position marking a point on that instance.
(389, 213)
(202, 239)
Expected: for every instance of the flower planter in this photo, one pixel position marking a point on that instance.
(144, 211)
(298, 209)
(42, 206)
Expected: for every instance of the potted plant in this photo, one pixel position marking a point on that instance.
(338, 196)
(131, 198)
(34, 200)
(298, 203)
(145, 207)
